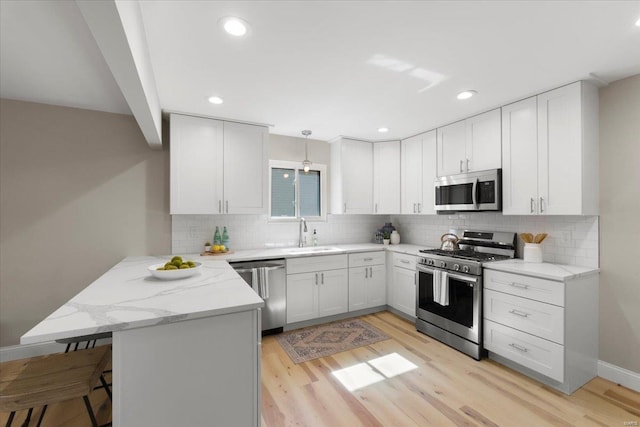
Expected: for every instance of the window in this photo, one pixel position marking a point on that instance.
(294, 193)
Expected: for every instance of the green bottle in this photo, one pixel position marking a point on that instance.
(217, 240)
(225, 238)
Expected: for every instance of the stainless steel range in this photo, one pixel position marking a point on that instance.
(449, 295)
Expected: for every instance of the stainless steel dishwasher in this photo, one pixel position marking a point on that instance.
(268, 280)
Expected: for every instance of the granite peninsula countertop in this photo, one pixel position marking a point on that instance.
(128, 297)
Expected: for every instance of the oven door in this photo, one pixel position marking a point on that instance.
(462, 314)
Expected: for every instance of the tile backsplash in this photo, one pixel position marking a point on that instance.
(571, 240)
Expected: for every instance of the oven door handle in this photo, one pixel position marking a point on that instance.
(425, 269)
(469, 279)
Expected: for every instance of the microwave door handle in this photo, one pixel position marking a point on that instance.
(474, 191)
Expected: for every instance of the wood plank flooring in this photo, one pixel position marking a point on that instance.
(446, 388)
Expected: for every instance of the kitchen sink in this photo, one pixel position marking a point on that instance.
(314, 250)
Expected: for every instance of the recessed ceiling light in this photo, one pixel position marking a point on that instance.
(216, 100)
(235, 26)
(383, 130)
(466, 94)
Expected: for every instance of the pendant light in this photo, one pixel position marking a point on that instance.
(306, 163)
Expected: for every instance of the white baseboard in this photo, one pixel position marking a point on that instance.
(15, 352)
(619, 375)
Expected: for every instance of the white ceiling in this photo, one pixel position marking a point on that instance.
(337, 68)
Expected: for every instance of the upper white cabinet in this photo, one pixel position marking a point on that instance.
(470, 145)
(351, 177)
(217, 167)
(386, 177)
(550, 151)
(418, 172)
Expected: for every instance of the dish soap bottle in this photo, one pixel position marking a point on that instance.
(217, 240)
(225, 239)
(315, 237)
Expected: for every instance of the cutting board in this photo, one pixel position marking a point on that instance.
(216, 253)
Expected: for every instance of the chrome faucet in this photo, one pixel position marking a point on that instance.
(302, 241)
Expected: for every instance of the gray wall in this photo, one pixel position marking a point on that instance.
(79, 191)
(620, 223)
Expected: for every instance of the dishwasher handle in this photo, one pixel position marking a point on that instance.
(250, 270)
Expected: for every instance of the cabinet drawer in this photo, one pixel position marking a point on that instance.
(535, 353)
(364, 259)
(524, 286)
(316, 263)
(404, 261)
(536, 318)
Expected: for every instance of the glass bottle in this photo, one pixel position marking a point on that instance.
(315, 237)
(225, 238)
(217, 240)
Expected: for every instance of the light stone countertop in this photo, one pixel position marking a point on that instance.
(128, 297)
(544, 270)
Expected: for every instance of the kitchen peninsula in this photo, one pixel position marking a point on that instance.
(184, 351)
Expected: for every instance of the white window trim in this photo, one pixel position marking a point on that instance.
(284, 164)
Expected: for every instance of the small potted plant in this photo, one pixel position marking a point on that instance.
(207, 247)
(386, 236)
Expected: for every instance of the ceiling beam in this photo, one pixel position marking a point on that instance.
(119, 31)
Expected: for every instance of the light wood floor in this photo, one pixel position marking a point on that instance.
(446, 388)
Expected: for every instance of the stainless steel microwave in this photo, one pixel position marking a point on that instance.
(468, 192)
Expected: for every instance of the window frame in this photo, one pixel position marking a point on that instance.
(297, 167)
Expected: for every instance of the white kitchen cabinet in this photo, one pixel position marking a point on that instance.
(217, 167)
(196, 165)
(546, 329)
(367, 280)
(470, 145)
(386, 177)
(351, 177)
(317, 287)
(418, 172)
(550, 151)
(404, 284)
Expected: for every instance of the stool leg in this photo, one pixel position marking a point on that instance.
(10, 420)
(94, 423)
(44, 409)
(106, 387)
(28, 419)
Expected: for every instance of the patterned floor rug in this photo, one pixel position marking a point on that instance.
(318, 341)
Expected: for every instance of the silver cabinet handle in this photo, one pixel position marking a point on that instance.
(370, 272)
(345, 208)
(368, 259)
(226, 206)
(316, 279)
(405, 261)
(366, 273)
(376, 208)
(519, 347)
(219, 206)
(519, 313)
(414, 208)
(322, 277)
(419, 207)
(460, 165)
(467, 165)
(532, 205)
(519, 285)
(541, 205)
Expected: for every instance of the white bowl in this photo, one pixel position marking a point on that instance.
(174, 274)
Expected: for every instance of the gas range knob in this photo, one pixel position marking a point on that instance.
(430, 262)
(465, 268)
(456, 267)
(443, 264)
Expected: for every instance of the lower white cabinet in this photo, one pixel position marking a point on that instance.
(367, 281)
(404, 284)
(547, 329)
(318, 287)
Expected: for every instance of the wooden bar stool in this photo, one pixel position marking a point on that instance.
(45, 380)
(86, 342)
